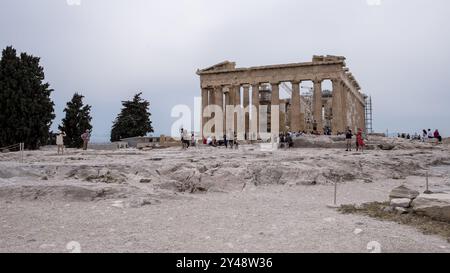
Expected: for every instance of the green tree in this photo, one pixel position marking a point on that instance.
(133, 120)
(26, 110)
(76, 122)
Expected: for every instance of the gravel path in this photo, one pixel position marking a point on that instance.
(262, 219)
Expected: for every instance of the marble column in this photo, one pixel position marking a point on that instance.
(337, 124)
(275, 100)
(353, 112)
(344, 104)
(255, 109)
(211, 102)
(226, 126)
(236, 90)
(295, 107)
(230, 111)
(362, 111)
(317, 105)
(204, 105)
(246, 109)
(218, 100)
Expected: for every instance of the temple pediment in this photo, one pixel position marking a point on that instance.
(226, 65)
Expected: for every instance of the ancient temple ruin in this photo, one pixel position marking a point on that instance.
(317, 111)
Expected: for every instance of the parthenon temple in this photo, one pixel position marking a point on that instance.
(319, 111)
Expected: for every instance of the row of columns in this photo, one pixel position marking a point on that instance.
(346, 110)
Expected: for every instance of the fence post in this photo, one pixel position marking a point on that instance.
(335, 205)
(427, 191)
(21, 151)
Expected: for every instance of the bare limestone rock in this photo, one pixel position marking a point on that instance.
(436, 206)
(401, 210)
(403, 192)
(401, 202)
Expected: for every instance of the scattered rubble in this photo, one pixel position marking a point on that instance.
(403, 192)
(435, 205)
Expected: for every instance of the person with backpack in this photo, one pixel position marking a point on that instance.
(348, 138)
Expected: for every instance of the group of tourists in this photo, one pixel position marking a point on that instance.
(186, 139)
(226, 141)
(360, 144)
(426, 135)
(286, 140)
(86, 136)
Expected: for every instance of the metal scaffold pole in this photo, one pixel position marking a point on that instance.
(369, 117)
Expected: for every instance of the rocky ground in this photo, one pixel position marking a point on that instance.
(213, 199)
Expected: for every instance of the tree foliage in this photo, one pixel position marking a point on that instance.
(133, 120)
(26, 110)
(76, 122)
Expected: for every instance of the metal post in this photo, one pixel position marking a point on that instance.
(427, 191)
(21, 151)
(335, 192)
(334, 205)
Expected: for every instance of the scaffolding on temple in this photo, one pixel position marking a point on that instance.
(369, 117)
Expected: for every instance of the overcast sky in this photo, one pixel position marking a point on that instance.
(399, 50)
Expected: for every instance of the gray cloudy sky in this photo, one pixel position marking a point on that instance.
(108, 49)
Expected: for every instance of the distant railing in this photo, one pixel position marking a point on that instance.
(19, 147)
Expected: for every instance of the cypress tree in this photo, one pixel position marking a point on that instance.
(133, 120)
(26, 110)
(76, 122)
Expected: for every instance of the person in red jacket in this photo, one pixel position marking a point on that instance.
(359, 141)
(437, 136)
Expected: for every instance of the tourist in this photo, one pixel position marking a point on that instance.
(348, 137)
(424, 135)
(290, 141)
(86, 136)
(183, 146)
(359, 141)
(437, 136)
(210, 141)
(60, 141)
(235, 141)
(231, 141)
(193, 140)
(186, 139)
(282, 140)
(430, 135)
(225, 141)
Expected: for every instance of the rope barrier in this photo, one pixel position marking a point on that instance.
(18, 145)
